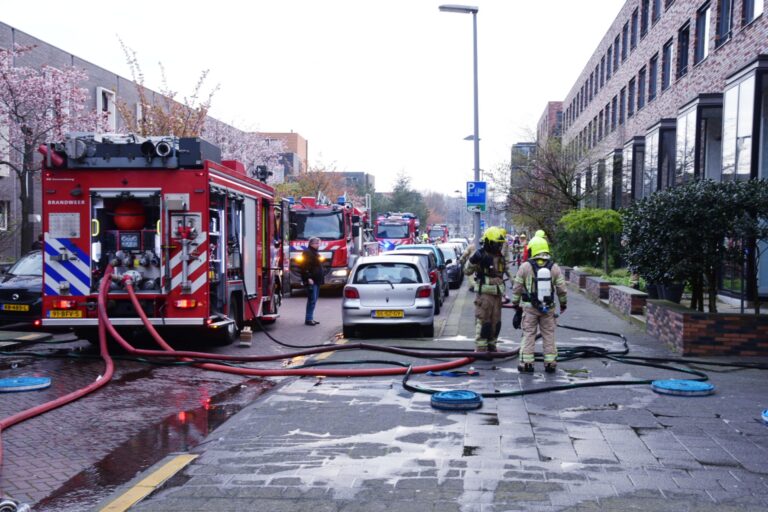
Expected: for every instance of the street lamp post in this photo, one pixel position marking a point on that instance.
(468, 9)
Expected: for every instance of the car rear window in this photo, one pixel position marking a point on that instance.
(395, 273)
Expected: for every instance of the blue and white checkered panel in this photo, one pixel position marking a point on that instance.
(76, 270)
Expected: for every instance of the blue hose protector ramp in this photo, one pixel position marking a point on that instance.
(457, 400)
(765, 416)
(682, 387)
(24, 384)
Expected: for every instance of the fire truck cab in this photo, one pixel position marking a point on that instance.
(344, 233)
(393, 229)
(199, 237)
(438, 233)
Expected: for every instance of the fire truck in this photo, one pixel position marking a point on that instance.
(438, 233)
(199, 237)
(344, 233)
(393, 229)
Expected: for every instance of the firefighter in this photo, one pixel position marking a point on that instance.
(539, 234)
(469, 251)
(535, 285)
(490, 267)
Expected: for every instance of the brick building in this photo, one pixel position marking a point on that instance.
(294, 158)
(676, 90)
(550, 123)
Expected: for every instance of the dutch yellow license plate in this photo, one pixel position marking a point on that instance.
(388, 313)
(65, 313)
(15, 307)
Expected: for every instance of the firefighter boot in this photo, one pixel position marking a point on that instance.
(525, 368)
(550, 367)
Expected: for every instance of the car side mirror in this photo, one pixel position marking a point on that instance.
(448, 262)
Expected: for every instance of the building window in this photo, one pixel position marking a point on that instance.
(751, 10)
(656, 11)
(653, 77)
(600, 126)
(602, 72)
(667, 3)
(607, 128)
(683, 38)
(633, 30)
(608, 59)
(624, 41)
(686, 147)
(641, 88)
(666, 65)
(622, 104)
(5, 211)
(645, 6)
(631, 98)
(597, 78)
(616, 54)
(5, 149)
(724, 21)
(702, 34)
(738, 107)
(106, 106)
(651, 167)
(614, 103)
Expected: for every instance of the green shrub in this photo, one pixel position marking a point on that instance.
(588, 236)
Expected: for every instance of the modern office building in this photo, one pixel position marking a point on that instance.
(550, 123)
(676, 90)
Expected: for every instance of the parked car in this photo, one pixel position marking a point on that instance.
(453, 267)
(21, 291)
(440, 262)
(388, 290)
(463, 241)
(429, 261)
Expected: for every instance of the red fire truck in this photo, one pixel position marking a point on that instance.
(393, 229)
(344, 233)
(200, 238)
(438, 233)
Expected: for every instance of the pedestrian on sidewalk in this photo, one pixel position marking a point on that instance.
(523, 248)
(490, 267)
(312, 275)
(533, 295)
(469, 251)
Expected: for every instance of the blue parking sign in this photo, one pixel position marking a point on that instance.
(476, 193)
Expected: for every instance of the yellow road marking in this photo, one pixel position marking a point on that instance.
(326, 355)
(149, 484)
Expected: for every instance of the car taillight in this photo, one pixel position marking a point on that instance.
(433, 277)
(63, 304)
(351, 293)
(424, 292)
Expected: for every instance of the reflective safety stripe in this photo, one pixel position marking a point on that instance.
(76, 270)
(550, 358)
(525, 358)
(492, 289)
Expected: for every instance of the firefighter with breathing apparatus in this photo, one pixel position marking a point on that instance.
(533, 297)
(490, 268)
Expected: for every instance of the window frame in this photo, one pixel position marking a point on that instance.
(701, 40)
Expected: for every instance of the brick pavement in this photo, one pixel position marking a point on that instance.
(347, 445)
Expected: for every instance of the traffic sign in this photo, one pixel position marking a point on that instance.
(476, 193)
(476, 208)
(482, 225)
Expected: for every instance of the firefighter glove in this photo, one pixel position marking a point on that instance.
(563, 307)
(517, 320)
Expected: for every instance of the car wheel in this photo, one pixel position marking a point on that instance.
(438, 303)
(447, 291)
(428, 331)
(348, 331)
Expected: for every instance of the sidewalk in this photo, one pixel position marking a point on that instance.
(366, 444)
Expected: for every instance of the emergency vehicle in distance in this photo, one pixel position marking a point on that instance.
(438, 233)
(343, 230)
(393, 229)
(200, 238)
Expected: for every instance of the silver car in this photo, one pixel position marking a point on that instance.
(388, 290)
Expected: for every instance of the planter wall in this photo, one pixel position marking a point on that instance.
(578, 278)
(596, 287)
(626, 300)
(691, 333)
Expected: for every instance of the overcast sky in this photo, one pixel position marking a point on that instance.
(382, 87)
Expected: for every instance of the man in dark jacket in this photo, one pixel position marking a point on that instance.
(312, 275)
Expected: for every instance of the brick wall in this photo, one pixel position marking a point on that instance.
(578, 278)
(691, 333)
(627, 301)
(708, 76)
(596, 287)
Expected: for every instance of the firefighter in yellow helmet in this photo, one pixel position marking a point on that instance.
(489, 268)
(533, 294)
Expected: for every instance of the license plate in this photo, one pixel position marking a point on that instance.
(388, 313)
(65, 313)
(15, 307)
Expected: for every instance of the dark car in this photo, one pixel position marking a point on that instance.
(21, 291)
(452, 266)
(440, 262)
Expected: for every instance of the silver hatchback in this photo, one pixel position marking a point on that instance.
(388, 290)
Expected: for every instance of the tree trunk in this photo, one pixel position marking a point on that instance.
(605, 255)
(712, 290)
(26, 195)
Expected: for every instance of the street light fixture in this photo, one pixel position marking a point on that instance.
(468, 9)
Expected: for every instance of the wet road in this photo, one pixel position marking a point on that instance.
(72, 457)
